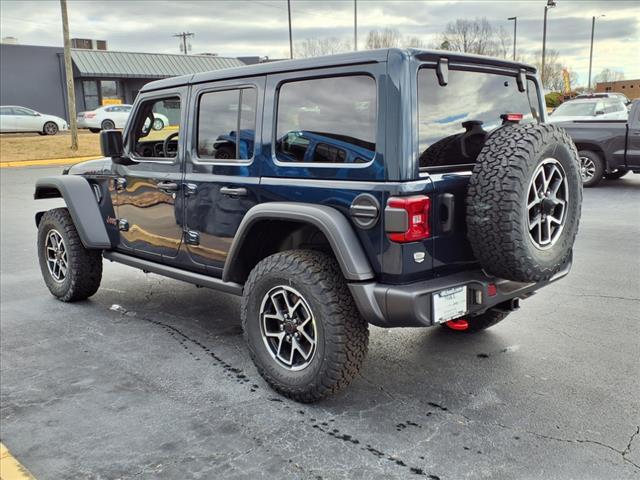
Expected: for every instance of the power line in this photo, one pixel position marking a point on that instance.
(184, 36)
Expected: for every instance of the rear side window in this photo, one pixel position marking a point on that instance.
(327, 120)
(454, 120)
(220, 116)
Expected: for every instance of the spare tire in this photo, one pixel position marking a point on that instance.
(524, 201)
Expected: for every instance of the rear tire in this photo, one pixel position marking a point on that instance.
(481, 322)
(70, 271)
(94, 130)
(591, 168)
(323, 311)
(619, 173)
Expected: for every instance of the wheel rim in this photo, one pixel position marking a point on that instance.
(50, 128)
(587, 168)
(108, 126)
(158, 124)
(547, 203)
(56, 255)
(288, 328)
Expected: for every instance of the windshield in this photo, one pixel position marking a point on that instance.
(577, 109)
(454, 120)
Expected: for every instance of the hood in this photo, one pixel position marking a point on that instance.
(567, 118)
(99, 166)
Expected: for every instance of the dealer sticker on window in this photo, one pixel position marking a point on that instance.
(449, 304)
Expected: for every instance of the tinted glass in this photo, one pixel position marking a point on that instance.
(453, 120)
(6, 111)
(327, 120)
(577, 109)
(218, 118)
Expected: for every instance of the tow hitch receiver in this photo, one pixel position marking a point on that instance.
(460, 324)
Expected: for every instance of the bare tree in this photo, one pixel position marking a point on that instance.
(315, 47)
(413, 42)
(470, 36)
(608, 75)
(387, 38)
(503, 43)
(552, 79)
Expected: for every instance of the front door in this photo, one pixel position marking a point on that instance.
(221, 169)
(148, 206)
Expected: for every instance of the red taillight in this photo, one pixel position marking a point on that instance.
(512, 117)
(89, 115)
(492, 290)
(417, 208)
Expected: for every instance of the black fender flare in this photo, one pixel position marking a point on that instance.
(334, 225)
(82, 204)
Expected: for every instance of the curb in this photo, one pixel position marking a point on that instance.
(50, 161)
(10, 468)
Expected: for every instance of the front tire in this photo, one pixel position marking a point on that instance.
(301, 324)
(591, 168)
(158, 124)
(70, 271)
(50, 128)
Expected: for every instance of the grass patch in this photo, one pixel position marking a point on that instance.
(15, 147)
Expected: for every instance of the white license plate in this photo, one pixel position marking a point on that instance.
(449, 304)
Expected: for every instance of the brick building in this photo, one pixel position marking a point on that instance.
(631, 88)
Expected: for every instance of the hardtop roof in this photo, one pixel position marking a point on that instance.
(342, 59)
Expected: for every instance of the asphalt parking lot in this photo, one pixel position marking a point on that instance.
(151, 378)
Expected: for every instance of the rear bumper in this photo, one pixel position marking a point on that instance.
(412, 306)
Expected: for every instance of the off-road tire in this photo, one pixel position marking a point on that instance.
(342, 334)
(107, 125)
(598, 164)
(619, 173)
(497, 202)
(84, 270)
(481, 322)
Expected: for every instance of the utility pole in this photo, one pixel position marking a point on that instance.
(68, 70)
(290, 36)
(515, 33)
(550, 4)
(355, 25)
(184, 36)
(593, 27)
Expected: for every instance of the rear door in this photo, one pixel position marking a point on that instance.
(7, 120)
(633, 138)
(453, 121)
(221, 172)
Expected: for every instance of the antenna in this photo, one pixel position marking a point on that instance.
(184, 47)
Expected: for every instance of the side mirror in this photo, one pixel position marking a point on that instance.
(599, 112)
(111, 143)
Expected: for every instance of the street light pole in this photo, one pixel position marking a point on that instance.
(515, 33)
(355, 25)
(593, 26)
(550, 4)
(290, 36)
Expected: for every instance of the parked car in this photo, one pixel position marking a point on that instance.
(22, 119)
(590, 109)
(621, 96)
(113, 116)
(608, 149)
(332, 216)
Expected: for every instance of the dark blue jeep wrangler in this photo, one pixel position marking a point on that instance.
(401, 188)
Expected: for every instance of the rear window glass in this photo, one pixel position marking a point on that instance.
(454, 120)
(327, 120)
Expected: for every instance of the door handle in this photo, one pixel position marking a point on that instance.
(168, 186)
(234, 192)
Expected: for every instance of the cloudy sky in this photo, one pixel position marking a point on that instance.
(234, 28)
